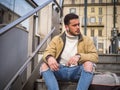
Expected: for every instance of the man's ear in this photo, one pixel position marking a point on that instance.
(66, 27)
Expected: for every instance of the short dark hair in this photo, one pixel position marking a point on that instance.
(70, 16)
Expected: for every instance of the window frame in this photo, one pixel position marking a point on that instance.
(100, 11)
(92, 32)
(92, 19)
(100, 32)
(72, 10)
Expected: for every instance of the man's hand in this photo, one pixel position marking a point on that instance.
(73, 60)
(53, 64)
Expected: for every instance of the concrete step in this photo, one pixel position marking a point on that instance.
(40, 85)
(101, 81)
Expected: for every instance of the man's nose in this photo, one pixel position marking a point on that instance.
(78, 26)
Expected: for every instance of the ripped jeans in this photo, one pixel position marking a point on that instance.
(76, 73)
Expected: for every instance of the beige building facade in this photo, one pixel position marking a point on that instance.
(99, 19)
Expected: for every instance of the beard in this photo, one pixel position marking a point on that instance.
(77, 33)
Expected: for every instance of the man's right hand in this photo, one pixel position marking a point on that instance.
(54, 66)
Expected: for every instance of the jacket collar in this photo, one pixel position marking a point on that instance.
(63, 36)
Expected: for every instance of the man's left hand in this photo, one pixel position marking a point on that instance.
(73, 60)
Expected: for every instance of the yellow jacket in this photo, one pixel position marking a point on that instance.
(85, 48)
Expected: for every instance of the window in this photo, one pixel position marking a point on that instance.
(73, 1)
(100, 11)
(100, 1)
(100, 20)
(115, 10)
(83, 20)
(72, 10)
(92, 20)
(92, 32)
(17, 6)
(92, 1)
(92, 10)
(114, 0)
(100, 32)
(100, 45)
(116, 20)
(1, 15)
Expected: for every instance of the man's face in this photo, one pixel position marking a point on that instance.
(73, 27)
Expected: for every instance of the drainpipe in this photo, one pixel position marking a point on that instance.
(85, 18)
(114, 32)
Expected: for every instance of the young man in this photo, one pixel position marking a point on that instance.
(69, 57)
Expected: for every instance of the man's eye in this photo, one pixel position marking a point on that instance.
(76, 25)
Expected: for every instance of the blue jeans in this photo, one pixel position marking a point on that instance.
(76, 73)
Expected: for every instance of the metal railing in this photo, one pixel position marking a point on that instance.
(13, 24)
(29, 59)
(16, 22)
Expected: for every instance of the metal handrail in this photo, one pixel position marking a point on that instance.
(29, 59)
(58, 6)
(14, 23)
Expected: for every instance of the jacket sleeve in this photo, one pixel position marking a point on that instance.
(51, 49)
(90, 53)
